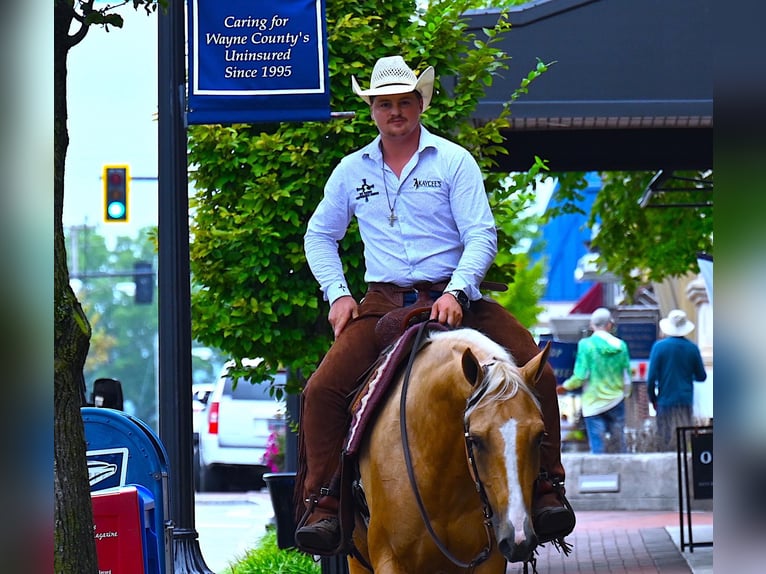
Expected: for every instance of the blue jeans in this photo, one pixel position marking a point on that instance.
(612, 421)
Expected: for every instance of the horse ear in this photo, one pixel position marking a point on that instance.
(471, 367)
(533, 370)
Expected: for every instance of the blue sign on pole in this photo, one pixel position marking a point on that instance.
(257, 61)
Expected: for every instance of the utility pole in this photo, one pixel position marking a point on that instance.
(174, 290)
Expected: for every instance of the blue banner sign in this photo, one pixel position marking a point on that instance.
(257, 61)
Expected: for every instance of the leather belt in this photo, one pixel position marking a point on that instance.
(439, 286)
(422, 286)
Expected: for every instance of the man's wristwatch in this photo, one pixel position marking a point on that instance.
(461, 298)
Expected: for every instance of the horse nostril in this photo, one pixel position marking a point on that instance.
(521, 552)
(505, 548)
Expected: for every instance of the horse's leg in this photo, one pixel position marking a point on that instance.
(360, 544)
(355, 567)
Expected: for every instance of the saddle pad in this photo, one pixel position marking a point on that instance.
(373, 390)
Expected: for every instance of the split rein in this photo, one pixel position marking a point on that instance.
(484, 553)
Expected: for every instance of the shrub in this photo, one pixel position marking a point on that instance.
(268, 558)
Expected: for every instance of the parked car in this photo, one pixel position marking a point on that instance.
(234, 438)
(200, 395)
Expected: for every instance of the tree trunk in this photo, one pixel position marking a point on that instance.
(75, 548)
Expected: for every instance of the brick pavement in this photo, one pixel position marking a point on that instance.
(621, 542)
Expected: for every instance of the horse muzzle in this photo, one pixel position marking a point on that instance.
(517, 548)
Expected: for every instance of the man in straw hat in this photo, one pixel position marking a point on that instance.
(674, 364)
(428, 233)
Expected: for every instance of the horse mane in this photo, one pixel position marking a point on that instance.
(502, 377)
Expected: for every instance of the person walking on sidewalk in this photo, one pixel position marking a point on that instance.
(602, 365)
(674, 364)
(427, 229)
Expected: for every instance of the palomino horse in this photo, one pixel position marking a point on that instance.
(454, 494)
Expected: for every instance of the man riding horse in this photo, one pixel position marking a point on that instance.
(429, 236)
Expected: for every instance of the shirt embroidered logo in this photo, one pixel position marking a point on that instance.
(366, 190)
(435, 183)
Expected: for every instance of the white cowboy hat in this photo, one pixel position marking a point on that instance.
(676, 324)
(391, 75)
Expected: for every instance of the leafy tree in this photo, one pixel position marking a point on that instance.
(258, 184)
(645, 244)
(74, 550)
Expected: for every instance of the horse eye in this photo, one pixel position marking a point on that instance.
(476, 441)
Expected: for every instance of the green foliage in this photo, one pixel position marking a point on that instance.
(267, 558)
(523, 295)
(96, 14)
(257, 185)
(638, 244)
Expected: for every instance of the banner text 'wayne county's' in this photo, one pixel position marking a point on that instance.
(257, 61)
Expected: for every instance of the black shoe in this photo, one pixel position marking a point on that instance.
(323, 535)
(553, 522)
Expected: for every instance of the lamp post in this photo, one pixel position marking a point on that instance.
(174, 290)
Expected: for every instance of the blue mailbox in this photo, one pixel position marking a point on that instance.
(122, 451)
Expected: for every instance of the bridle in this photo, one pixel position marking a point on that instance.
(473, 469)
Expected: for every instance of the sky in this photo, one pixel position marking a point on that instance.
(112, 102)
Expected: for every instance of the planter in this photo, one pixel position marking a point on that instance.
(281, 486)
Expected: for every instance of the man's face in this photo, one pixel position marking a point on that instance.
(397, 115)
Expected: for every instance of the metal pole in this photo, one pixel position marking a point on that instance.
(175, 409)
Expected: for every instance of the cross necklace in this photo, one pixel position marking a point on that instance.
(392, 216)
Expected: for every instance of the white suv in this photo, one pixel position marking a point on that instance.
(239, 422)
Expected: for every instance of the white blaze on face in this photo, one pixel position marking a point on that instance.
(516, 511)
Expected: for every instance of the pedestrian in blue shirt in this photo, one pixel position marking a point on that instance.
(675, 363)
(427, 229)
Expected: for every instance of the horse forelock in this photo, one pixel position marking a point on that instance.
(502, 377)
(502, 381)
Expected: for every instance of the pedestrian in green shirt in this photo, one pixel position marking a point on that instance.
(602, 367)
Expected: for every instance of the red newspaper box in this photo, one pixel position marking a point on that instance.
(121, 529)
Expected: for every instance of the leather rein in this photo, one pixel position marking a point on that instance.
(487, 509)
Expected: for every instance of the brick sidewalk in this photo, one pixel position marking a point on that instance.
(620, 543)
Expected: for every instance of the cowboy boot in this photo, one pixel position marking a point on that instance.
(552, 515)
(320, 533)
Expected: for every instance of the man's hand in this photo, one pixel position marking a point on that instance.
(342, 311)
(560, 390)
(447, 311)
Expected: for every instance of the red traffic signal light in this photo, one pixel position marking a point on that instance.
(116, 180)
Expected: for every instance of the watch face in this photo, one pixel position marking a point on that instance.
(461, 297)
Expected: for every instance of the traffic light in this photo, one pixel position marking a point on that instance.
(116, 186)
(143, 277)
